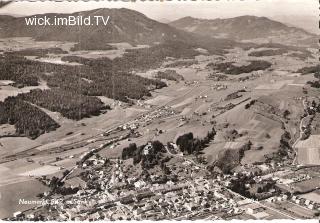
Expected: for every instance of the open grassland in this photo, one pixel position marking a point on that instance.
(197, 103)
(10, 195)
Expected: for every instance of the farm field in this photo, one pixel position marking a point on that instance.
(28, 190)
(309, 151)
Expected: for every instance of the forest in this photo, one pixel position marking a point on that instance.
(92, 45)
(190, 145)
(148, 154)
(181, 63)
(264, 53)
(310, 70)
(170, 75)
(37, 52)
(147, 58)
(20, 70)
(229, 68)
(70, 105)
(73, 87)
(28, 120)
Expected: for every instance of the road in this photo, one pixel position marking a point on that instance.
(301, 132)
(234, 193)
(289, 129)
(88, 140)
(261, 204)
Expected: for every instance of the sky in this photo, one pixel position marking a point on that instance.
(301, 13)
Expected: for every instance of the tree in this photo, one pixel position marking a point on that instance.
(286, 113)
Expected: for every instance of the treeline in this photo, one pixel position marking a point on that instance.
(106, 79)
(25, 72)
(20, 70)
(310, 70)
(190, 145)
(248, 105)
(313, 70)
(120, 86)
(37, 52)
(151, 154)
(153, 57)
(314, 84)
(182, 63)
(229, 68)
(302, 51)
(71, 85)
(301, 56)
(264, 53)
(285, 147)
(231, 158)
(284, 152)
(69, 104)
(111, 78)
(148, 154)
(170, 75)
(103, 61)
(140, 59)
(28, 120)
(248, 187)
(92, 45)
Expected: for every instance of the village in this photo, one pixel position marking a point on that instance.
(115, 189)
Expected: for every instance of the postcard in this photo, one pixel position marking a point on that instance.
(159, 110)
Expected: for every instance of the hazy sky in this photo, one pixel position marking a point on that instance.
(303, 13)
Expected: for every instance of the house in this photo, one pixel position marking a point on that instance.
(311, 206)
(17, 214)
(280, 198)
(139, 184)
(30, 216)
(63, 217)
(190, 206)
(147, 149)
(244, 202)
(260, 215)
(94, 216)
(307, 202)
(254, 208)
(271, 199)
(137, 212)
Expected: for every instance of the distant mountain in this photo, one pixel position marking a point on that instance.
(247, 28)
(11, 14)
(309, 23)
(124, 26)
(4, 3)
(164, 20)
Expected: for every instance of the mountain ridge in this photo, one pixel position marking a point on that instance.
(125, 25)
(245, 28)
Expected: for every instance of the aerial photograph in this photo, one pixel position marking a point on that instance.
(159, 110)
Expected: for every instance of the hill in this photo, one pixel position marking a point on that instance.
(247, 28)
(124, 26)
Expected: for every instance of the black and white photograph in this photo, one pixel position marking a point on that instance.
(160, 110)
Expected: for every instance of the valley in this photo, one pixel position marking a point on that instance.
(171, 126)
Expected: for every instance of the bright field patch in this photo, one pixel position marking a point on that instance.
(41, 171)
(309, 151)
